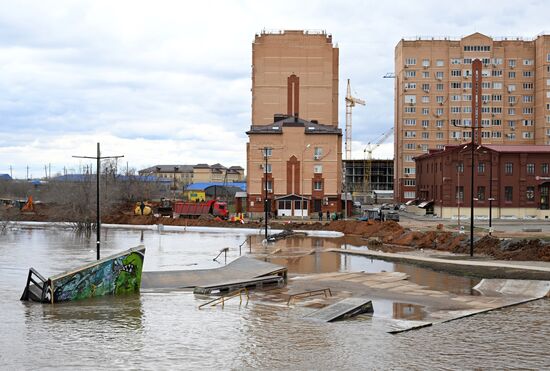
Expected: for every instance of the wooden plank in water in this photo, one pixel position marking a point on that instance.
(343, 309)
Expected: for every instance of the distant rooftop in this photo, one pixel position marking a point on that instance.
(280, 121)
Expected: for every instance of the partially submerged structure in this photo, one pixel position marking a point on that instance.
(114, 275)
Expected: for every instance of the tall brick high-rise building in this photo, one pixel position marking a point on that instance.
(294, 154)
(433, 96)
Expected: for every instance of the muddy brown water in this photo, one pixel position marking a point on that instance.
(167, 331)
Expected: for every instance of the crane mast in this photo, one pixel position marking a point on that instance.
(350, 103)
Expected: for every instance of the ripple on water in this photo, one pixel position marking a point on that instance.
(167, 331)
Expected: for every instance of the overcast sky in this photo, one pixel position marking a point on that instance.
(166, 82)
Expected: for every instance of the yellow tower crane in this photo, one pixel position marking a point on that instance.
(350, 103)
(367, 153)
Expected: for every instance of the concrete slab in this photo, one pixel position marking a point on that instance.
(239, 269)
(343, 309)
(438, 306)
(529, 288)
(485, 268)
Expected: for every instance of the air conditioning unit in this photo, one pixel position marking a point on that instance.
(406, 66)
(317, 157)
(426, 90)
(440, 78)
(512, 103)
(464, 89)
(406, 78)
(426, 66)
(405, 89)
(261, 166)
(512, 129)
(440, 103)
(485, 102)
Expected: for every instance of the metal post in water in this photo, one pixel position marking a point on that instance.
(98, 159)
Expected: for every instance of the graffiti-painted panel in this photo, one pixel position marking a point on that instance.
(114, 275)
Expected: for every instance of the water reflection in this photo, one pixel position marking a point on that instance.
(167, 331)
(397, 310)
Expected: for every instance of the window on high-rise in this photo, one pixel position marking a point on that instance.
(530, 169)
(439, 63)
(455, 73)
(528, 73)
(455, 60)
(439, 75)
(512, 74)
(425, 63)
(511, 63)
(528, 62)
(425, 99)
(410, 61)
(544, 168)
(527, 135)
(425, 74)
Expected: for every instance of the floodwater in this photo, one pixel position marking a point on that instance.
(167, 331)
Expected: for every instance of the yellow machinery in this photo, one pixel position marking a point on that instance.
(146, 209)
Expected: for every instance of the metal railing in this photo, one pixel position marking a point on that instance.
(229, 296)
(309, 293)
(41, 283)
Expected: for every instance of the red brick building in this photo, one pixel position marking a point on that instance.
(512, 179)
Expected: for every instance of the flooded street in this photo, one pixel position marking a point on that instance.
(165, 330)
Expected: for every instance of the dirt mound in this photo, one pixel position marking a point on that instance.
(526, 249)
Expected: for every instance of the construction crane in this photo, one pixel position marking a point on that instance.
(368, 157)
(350, 103)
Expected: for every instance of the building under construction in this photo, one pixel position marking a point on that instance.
(369, 181)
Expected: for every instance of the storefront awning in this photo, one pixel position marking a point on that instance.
(410, 202)
(425, 204)
(291, 197)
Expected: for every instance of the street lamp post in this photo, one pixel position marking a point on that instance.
(265, 149)
(476, 116)
(302, 191)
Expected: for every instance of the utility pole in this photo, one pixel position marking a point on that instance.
(98, 158)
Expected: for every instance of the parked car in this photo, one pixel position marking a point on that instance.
(357, 204)
(392, 215)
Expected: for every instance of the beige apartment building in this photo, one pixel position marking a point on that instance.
(295, 144)
(182, 175)
(433, 96)
(309, 55)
